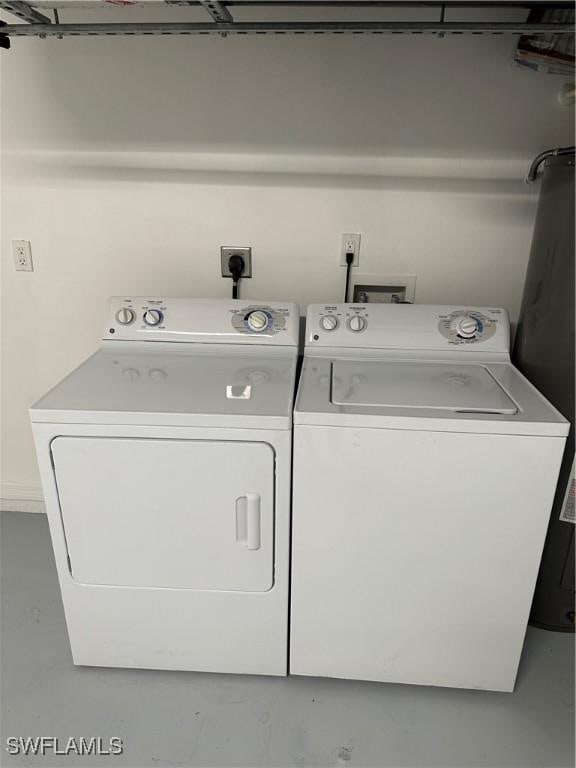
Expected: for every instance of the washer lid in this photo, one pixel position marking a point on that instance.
(406, 394)
(413, 385)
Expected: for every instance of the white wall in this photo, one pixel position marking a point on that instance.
(128, 162)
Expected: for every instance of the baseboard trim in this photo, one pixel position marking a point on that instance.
(21, 497)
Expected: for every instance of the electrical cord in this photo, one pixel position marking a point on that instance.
(236, 266)
(349, 262)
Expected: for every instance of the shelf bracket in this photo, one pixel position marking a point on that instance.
(24, 11)
(216, 9)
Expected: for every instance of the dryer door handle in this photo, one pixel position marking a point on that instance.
(248, 520)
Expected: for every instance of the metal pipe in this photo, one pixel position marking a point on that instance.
(287, 27)
(539, 159)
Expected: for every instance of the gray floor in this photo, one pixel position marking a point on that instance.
(188, 719)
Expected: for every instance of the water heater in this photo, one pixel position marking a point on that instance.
(544, 352)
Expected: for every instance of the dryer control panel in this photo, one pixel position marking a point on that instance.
(408, 327)
(208, 321)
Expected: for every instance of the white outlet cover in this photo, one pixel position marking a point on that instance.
(351, 240)
(408, 281)
(22, 252)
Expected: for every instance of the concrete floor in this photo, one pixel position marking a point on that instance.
(189, 719)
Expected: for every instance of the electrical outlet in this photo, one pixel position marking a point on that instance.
(226, 252)
(22, 255)
(350, 244)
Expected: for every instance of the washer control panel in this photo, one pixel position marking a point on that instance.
(350, 317)
(408, 327)
(467, 326)
(202, 320)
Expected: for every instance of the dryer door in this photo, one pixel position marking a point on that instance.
(182, 514)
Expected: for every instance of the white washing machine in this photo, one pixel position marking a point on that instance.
(166, 461)
(424, 471)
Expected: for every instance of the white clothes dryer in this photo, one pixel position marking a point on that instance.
(166, 462)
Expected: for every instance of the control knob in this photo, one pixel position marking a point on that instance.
(329, 322)
(153, 317)
(466, 327)
(257, 321)
(125, 316)
(357, 323)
